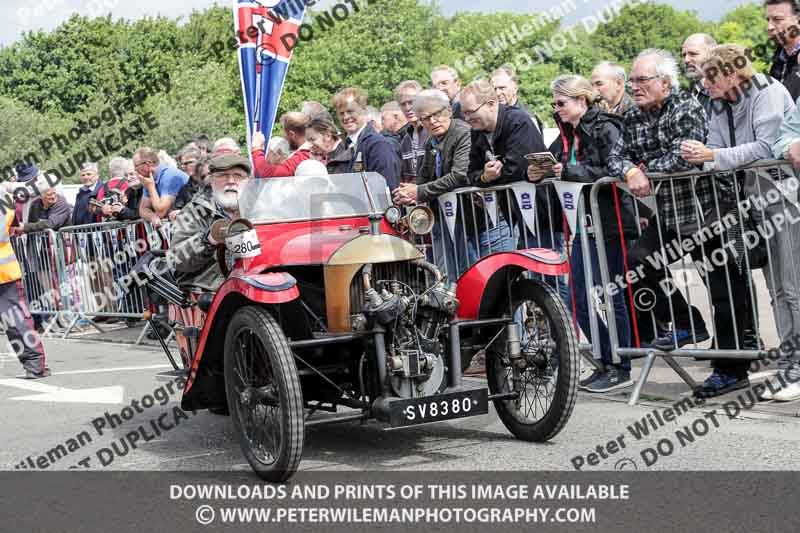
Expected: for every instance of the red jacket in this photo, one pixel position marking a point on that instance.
(263, 169)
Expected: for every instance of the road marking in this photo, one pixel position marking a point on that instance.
(51, 393)
(102, 370)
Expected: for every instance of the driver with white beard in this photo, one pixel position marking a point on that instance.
(193, 247)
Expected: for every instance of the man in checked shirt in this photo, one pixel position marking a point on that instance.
(413, 135)
(651, 143)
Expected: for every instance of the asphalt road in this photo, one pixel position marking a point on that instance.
(37, 418)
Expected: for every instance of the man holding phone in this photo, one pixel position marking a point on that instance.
(501, 138)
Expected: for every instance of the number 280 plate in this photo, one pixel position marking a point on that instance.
(438, 408)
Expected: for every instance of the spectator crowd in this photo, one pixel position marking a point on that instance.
(442, 134)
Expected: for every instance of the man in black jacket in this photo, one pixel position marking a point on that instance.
(371, 151)
(783, 28)
(501, 137)
(506, 84)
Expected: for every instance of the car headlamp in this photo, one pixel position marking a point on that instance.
(393, 215)
(420, 220)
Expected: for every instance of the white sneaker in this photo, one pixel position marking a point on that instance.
(788, 394)
(766, 396)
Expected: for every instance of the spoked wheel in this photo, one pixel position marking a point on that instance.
(264, 394)
(546, 376)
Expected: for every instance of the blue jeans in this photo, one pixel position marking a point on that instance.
(456, 258)
(451, 258)
(493, 240)
(616, 267)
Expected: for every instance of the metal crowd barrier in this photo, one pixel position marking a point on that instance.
(762, 196)
(475, 222)
(77, 272)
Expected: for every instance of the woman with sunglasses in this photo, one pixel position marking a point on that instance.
(588, 133)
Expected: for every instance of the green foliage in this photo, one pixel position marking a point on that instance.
(645, 25)
(746, 25)
(367, 50)
(51, 80)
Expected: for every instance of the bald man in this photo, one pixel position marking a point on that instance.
(696, 49)
(609, 80)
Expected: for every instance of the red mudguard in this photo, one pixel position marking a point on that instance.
(270, 288)
(473, 284)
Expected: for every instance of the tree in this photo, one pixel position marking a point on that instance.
(745, 25)
(376, 47)
(51, 81)
(645, 25)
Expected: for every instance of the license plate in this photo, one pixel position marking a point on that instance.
(439, 408)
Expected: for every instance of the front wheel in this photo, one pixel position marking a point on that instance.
(546, 375)
(264, 394)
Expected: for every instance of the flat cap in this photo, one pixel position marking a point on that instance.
(229, 161)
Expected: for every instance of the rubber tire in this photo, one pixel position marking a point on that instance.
(547, 299)
(289, 392)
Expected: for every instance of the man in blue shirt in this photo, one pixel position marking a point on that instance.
(161, 185)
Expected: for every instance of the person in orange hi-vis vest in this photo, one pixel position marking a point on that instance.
(13, 311)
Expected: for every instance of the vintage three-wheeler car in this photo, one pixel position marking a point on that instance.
(339, 317)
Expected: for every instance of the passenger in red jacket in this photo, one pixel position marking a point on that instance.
(264, 169)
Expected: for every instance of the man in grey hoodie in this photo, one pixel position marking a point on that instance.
(749, 109)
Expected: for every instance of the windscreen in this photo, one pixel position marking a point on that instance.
(312, 197)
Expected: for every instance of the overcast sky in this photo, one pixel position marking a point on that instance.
(23, 15)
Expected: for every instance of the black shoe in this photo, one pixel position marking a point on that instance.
(719, 383)
(596, 373)
(612, 379)
(222, 411)
(38, 375)
(679, 338)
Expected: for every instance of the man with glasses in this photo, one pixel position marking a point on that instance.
(501, 138)
(161, 185)
(444, 168)
(193, 247)
(445, 78)
(651, 140)
(413, 135)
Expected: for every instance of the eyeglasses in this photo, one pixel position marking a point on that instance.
(140, 164)
(468, 113)
(560, 103)
(641, 80)
(437, 115)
